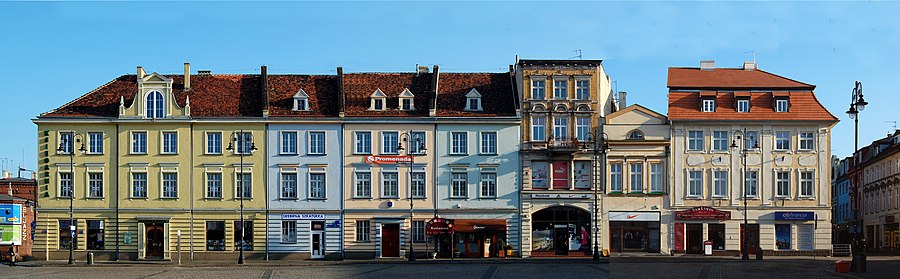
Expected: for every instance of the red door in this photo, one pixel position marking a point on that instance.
(390, 240)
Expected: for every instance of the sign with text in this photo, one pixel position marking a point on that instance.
(10, 235)
(633, 216)
(373, 159)
(11, 214)
(702, 213)
(294, 216)
(794, 216)
(561, 196)
(561, 175)
(438, 226)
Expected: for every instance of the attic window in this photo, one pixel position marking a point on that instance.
(635, 135)
(473, 100)
(377, 100)
(743, 105)
(782, 105)
(708, 105)
(155, 105)
(406, 100)
(301, 101)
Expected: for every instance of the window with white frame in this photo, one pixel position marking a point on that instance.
(488, 142)
(488, 185)
(582, 128)
(473, 100)
(807, 184)
(538, 89)
(95, 142)
(406, 100)
(214, 185)
(615, 177)
(751, 183)
(288, 185)
(782, 140)
(363, 185)
(418, 231)
(538, 128)
(417, 141)
(244, 142)
(560, 89)
(695, 184)
(389, 186)
(244, 185)
(139, 185)
(720, 184)
(417, 184)
(561, 128)
(750, 140)
(316, 143)
(459, 143)
(67, 141)
(95, 185)
(213, 143)
(362, 231)
(720, 140)
(635, 135)
(783, 184)
(65, 184)
(377, 100)
(695, 140)
(743, 105)
(389, 142)
(459, 185)
(169, 185)
(656, 178)
(582, 89)
(317, 186)
(636, 178)
(781, 105)
(139, 142)
(170, 142)
(288, 142)
(155, 105)
(709, 105)
(301, 101)
(288, 231)
(363, 143)
(807, 141)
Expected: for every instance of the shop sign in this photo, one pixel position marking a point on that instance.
(561, 175)
(335, 224)
(294, 216)
(561, 196)
(438, 226)
(794, 216)
(11, 214)
(702, 213)
(373, 159)
(633, 216)
(10, 235)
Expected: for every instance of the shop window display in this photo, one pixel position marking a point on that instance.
(561, 229)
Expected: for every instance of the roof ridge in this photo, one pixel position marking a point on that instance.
(787, 78)
(86, 94)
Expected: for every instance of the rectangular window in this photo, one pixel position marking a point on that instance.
(139, 185)
(743, 105)
(378, 104)
(417, 184)
(247, 231)
(66, 140)
(582, 128)
(807, 141)
(538, 129)
(782, 141)
(288, 142)
(709, 105)
(695, 140)
(389, 186)
(363, 185)
(418, 231)
(807, 184)
(65, 185)
(170, 142)
(615, 177)
(750, 141)
(214, 185)
(459, 185)
(95, 237)
(656, 178)
(288, 231)
(362, 231)
(460, 145)
(244, 142)
(560, 89)
(95, 185)
(751, 180)
(96, 143)
(139, 143)
(473, 104)
(215, 236)
(170, 185)
(781, 105)
(488, 185)
(720, 140)
(406, 104)
(417, 141)
(783, 236)
(783, 184)
(363, 143)
(695, 184)
(582, 89)
(637, 177)
(244, 185)
(316, 143)
(389, 141)
(561, 128)
(488, 142)
(538, 89)
(720, 184)
(317, 186)
(214, 143)
(289, 185)
(66, 232)
(717, 236)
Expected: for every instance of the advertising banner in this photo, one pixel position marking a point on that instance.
(795, 216)
(11, 214)
(540, 175)
(372, 159)
(702, 213)
(582, 173)
(10, 235)
(783, 236)
(633, 216)
(294, 216)
(561, 175)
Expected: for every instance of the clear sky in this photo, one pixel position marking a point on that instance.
(53, 52)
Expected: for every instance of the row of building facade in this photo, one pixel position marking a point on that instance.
(542, 160)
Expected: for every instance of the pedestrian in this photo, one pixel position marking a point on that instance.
(12, 256)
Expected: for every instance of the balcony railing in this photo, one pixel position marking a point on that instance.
(571, 145)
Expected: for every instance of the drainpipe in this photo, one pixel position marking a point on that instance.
(266, 173)
(116, 256)
(191, 229)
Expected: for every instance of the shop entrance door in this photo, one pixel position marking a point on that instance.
(694, 238)
(155, 241)
(561, 240)
(390, 240)
(751, 232)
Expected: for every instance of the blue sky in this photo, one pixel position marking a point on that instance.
(54, 52)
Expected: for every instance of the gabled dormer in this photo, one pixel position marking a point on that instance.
(154, 99)
(377, 100)
(301, 101)
(781, 101)
(473, 101)
(406, 100)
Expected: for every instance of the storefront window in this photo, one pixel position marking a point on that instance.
(65, 234)
(561, 229)
(95, 235)
(783, 236)
(248, 235)
(717, 236)
(215, 236)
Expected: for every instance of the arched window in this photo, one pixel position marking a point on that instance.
(155, 105)
(750, 140)
(635, 135)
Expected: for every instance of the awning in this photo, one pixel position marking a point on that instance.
(478, 225)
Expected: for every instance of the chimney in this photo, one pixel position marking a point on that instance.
(140, 72)
(749, 65)
(421, 69)
(707, 65)
(340, 87)
(5, 174)
(187, 76)
(33, 176)
(264, 88)
(622, 103)
(435, 81)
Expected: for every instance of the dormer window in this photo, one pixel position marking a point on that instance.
(782, 105)
(155, 105)
(301, 101)
(377, 100)
(709, 105)
(635, 135)
(743, 105)
(406, 100)
(473, 100)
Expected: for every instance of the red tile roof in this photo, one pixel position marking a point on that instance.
(324, 97)
(498, 96)
(358, 87)
(730, 78)
(803, 106)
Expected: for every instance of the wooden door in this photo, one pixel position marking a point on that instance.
(751, 232)
(390, 240)
(155, 241)
(694, 238)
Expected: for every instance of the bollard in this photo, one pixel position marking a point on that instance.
(90, 258)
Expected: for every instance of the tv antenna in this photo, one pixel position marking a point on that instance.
(754, 56)
(893, 125)
(577, 54)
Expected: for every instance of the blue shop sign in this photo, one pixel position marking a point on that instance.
(795, 216)
(11, 214)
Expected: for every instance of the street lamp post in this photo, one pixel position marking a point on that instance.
(600, 146)
(241, 138)
(67, 146)
(857, 105)
(416, 142)
(745, 254)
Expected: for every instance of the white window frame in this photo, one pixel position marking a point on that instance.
(488, 184)
(538, 130)
(561, 128)
(132, 188)
(657, 177)
(782, 142)
(488, 143)
(237, 179)
(91, 183)
(751, 184)
(168, 145)
(363, 231)
(69, 137)
(390, 149)
(720, 184)
(402, 104)
(312, 147)
(538, 87)
(720, 141)
(247, 138)
(288, 231)
(459, 146)
(213, 149)
(158, 109)
(743, 105)
(751, 138)
(380, 98)
(582, 91)
(807, 141)
(134, 143)
(695, 183)
(418, 231)
(616, 177)
(696, 143)
(356, 184)
(807, 182)
(95, 146)
(561, 88)
(357, 144)
(709, 105)
(477, 104)
(207, 189)
(415, 148)
(636, 177)
(324, 184)
(582, 128)
(459, 191)
(59, 183)
(284, 142)
(782, 105)
(417, 184)
(384, 185)
(163, 193)
(282, 183)
(782, 184)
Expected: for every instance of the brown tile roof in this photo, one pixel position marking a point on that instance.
(803, 106)
(496, 89)
(730, 78)
(359, 86)
(324, 96)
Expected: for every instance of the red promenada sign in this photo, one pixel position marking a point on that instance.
(438, 226)
(372, 159)
(702, 213)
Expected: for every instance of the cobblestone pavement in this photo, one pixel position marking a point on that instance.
(699, 268)
(399, 270)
